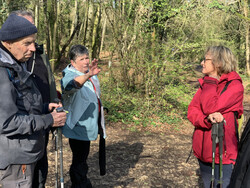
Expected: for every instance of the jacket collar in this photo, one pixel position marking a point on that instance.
(225, 77)
(73, 69)
(8, 62)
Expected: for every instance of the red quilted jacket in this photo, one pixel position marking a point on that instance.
(208, 99)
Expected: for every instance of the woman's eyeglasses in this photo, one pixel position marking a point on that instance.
(204, 59)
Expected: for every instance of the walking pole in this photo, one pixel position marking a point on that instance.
(220, 136)
(56, 157)
(214, 136)
(55, 134)
(59, 134)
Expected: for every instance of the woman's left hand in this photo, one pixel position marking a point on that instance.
(93, 68)
(216, 117)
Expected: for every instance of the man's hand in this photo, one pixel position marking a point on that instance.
(59, 118)
(52, 106)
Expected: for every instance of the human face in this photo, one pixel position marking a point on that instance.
(208, 67)
(81, 63)
(23, 48)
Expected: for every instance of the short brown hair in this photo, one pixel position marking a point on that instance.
(223, 59)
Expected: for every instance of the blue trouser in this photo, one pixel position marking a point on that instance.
(206, 174)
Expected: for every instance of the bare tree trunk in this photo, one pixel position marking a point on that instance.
(123, 7)
(130, 7)
(54, 41)
(95, 34)
(91, 16)
(61, 54)
(47, 28)
(85, 25)
(103, 31)
(247, 50)
(74, 16)
(37, 15)
(81, 15)
(245, 9)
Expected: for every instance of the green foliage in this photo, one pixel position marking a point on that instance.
(246, 82)
(4, 12)
(166, 104)
(215, 4)
(248, 88)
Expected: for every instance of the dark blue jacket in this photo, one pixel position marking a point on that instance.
(22, 122)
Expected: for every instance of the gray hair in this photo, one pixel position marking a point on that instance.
(23, 13)
(76, 51)
(223, 59)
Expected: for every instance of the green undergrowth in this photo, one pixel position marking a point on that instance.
(165, 105)
(246, 83)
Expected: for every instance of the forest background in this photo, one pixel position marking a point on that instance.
(149, 50)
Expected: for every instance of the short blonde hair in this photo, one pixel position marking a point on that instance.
(223, 59)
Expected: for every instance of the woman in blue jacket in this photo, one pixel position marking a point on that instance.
(80, 94)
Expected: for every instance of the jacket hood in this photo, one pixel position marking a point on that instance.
(230, 76)
(70, 68)
(225, 77)
(8, 62)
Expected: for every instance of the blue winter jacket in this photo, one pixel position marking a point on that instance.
(82, 104)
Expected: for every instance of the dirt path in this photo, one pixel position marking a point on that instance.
(137, 160)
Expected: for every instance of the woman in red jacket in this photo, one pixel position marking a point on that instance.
(210, 105)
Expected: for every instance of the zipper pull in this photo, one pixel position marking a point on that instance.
(24, 170)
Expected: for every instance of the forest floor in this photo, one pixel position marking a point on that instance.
(152, 158)
(136, 159)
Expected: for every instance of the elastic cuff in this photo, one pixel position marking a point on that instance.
(209, 125)
(45, 108)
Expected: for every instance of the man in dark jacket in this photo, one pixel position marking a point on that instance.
(23, 117)
(39, 66)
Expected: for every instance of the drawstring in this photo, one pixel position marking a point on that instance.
(33, 63)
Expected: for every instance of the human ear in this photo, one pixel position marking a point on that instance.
(8, 44)
(72, 62)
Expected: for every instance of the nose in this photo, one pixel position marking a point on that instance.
(202, 62)
(32, 47)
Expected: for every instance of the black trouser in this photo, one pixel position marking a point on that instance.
(79, 168)
(41, 169)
